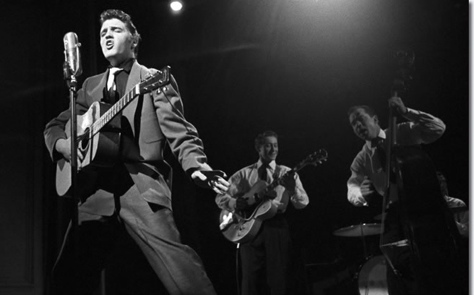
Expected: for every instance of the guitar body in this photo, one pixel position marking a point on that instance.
(243, 226)
(100, 149)
(240, 230)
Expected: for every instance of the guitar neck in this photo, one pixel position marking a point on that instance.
(314, 159)
(115, 109)
(151, 83)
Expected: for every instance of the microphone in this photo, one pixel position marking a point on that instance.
(72, 64)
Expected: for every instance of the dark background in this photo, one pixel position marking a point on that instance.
(244, 66)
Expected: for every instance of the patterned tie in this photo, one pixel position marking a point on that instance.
(111, 86)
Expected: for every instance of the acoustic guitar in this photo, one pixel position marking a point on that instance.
(243, 226)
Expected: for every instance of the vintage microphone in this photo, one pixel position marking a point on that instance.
(72, 58)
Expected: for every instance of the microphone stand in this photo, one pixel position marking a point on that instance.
(71, 69)
(70, 77)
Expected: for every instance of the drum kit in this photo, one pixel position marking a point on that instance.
(372, 272)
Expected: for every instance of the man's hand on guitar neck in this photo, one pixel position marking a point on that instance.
(63, 146)
(289, 181)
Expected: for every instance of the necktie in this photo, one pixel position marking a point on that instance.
(262, 172)
(380, 150)
(111, 86)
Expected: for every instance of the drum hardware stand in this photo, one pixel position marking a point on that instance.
(383, 246)
(364, 244)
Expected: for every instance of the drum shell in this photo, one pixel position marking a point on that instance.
(372, 277)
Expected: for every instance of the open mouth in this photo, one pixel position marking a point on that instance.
(362, 132)
(109, 44)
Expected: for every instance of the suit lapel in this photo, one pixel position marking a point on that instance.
(130, 111)
(135, 76)
(133, 79)
(97, 92)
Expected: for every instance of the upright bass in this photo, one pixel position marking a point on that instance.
(427, 224)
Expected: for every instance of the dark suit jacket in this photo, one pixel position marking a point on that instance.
(149, 121)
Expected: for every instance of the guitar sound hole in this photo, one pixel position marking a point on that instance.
(84, 140)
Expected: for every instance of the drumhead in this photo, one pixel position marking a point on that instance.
(373, 277)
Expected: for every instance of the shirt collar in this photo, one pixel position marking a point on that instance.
(126, 65)
(382, 134)
(272, 164)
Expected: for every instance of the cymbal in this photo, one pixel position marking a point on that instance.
(359, 230)
(453, 210)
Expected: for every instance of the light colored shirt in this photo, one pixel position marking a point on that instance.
(421, 128)
(243, 180)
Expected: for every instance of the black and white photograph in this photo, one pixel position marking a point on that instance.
(141, 145)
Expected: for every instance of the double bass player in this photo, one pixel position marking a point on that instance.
(405, 273)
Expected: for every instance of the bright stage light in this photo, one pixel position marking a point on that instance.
(176, 6)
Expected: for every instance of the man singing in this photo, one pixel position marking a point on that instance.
(134, 195)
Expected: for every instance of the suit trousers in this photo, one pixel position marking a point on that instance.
(266, 259)
(152, 228)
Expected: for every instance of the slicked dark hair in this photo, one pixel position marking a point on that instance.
(260, 139)
(369, 110)
(126, 19)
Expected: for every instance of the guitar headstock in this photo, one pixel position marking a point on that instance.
(314, 159)
(159, 79)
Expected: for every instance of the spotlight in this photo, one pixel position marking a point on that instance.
(176, 5)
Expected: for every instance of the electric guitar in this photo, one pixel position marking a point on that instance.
(243, 226)
(98, 135)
